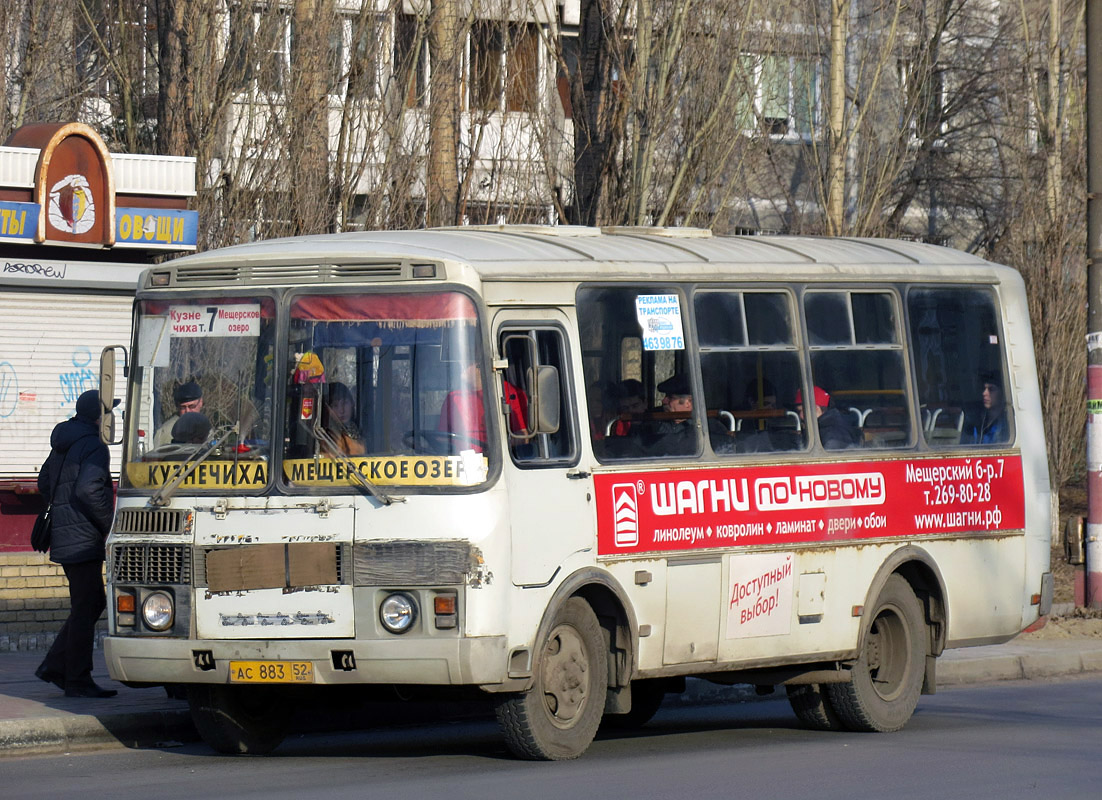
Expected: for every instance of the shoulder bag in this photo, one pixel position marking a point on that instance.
(42, 532)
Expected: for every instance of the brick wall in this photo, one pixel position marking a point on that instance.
(34, 602)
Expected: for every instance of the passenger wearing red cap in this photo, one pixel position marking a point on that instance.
(836, 430)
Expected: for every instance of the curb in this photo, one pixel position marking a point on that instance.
(54, 735)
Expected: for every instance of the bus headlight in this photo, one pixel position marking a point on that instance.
(397, 612)
(157, 611)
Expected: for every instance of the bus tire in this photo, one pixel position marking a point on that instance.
(813, 708)
(646, 698)
(238, 720)
(887, 677)
(557, 717)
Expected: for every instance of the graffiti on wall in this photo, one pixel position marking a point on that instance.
(79, 379)
(9, 389)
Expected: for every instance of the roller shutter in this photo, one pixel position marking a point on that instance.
(49, 353)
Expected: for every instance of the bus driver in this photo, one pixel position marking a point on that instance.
(188, 398)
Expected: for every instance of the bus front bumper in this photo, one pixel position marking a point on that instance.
(452, 662)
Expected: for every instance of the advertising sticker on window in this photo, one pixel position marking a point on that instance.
(231, 320)
(659, 316)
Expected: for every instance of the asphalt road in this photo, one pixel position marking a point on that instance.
(1024, 739)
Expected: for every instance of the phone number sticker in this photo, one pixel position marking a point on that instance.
(659, 316)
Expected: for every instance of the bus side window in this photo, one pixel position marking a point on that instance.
(857, 367)
(519, 397)
(750, 365)
(638, 373)
(958, 357)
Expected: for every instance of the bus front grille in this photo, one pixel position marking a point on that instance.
(413, 563)
(151, 564)
(145, 520)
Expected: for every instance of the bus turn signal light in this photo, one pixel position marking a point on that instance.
(443, 605)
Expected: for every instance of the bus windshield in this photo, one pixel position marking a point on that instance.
(202, 373)
(388, 385)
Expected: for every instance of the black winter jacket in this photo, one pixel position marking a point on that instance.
(77, 478)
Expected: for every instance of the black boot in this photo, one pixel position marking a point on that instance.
(55, 678)
(89, 689)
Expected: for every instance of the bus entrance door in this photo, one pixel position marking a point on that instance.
(549, 514)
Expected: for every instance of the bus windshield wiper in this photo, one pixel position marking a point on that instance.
(333, 450)
(162, 495)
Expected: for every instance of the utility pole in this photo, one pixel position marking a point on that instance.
(1094, 304)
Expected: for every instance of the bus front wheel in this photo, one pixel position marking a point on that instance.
(887, 677)
(238, 720)
(557, 718)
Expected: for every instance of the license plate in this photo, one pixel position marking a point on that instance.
(271, 672)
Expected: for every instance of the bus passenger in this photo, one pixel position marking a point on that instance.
(629, 402)
(761, 395)
(677, 436)
(463, 414)
(338, 417)
(988, 423)
(836, 430)
(188, 397)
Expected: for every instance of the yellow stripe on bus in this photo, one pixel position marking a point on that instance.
(382, 470)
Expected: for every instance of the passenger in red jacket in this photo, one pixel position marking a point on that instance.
(464, 412)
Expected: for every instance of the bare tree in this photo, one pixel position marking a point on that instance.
(45, 64)
(1042, 232)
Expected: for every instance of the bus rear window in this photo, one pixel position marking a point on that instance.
(958, 362)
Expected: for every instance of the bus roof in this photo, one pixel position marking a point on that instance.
(527, 252)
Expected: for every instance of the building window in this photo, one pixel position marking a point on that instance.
(273, 49)
(411, 58)
(128, 46)
(357, 46)
(504, 66)
(922, 95)
(259, 48)
(785, 98)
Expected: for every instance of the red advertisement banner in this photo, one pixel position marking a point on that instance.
(693, 509)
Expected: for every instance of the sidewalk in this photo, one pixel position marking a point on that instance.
(36, 718)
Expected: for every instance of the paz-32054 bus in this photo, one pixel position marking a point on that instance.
(567, 468)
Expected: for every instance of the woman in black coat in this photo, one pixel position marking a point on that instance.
(76, 478)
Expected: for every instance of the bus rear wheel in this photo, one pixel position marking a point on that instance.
(813, 707)
(238, 720)
(887, 677)
(557, 718)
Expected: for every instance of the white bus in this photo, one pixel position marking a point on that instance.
(567, 468)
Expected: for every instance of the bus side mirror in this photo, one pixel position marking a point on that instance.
(545, 404)
(1074, 550)
(107, 392)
